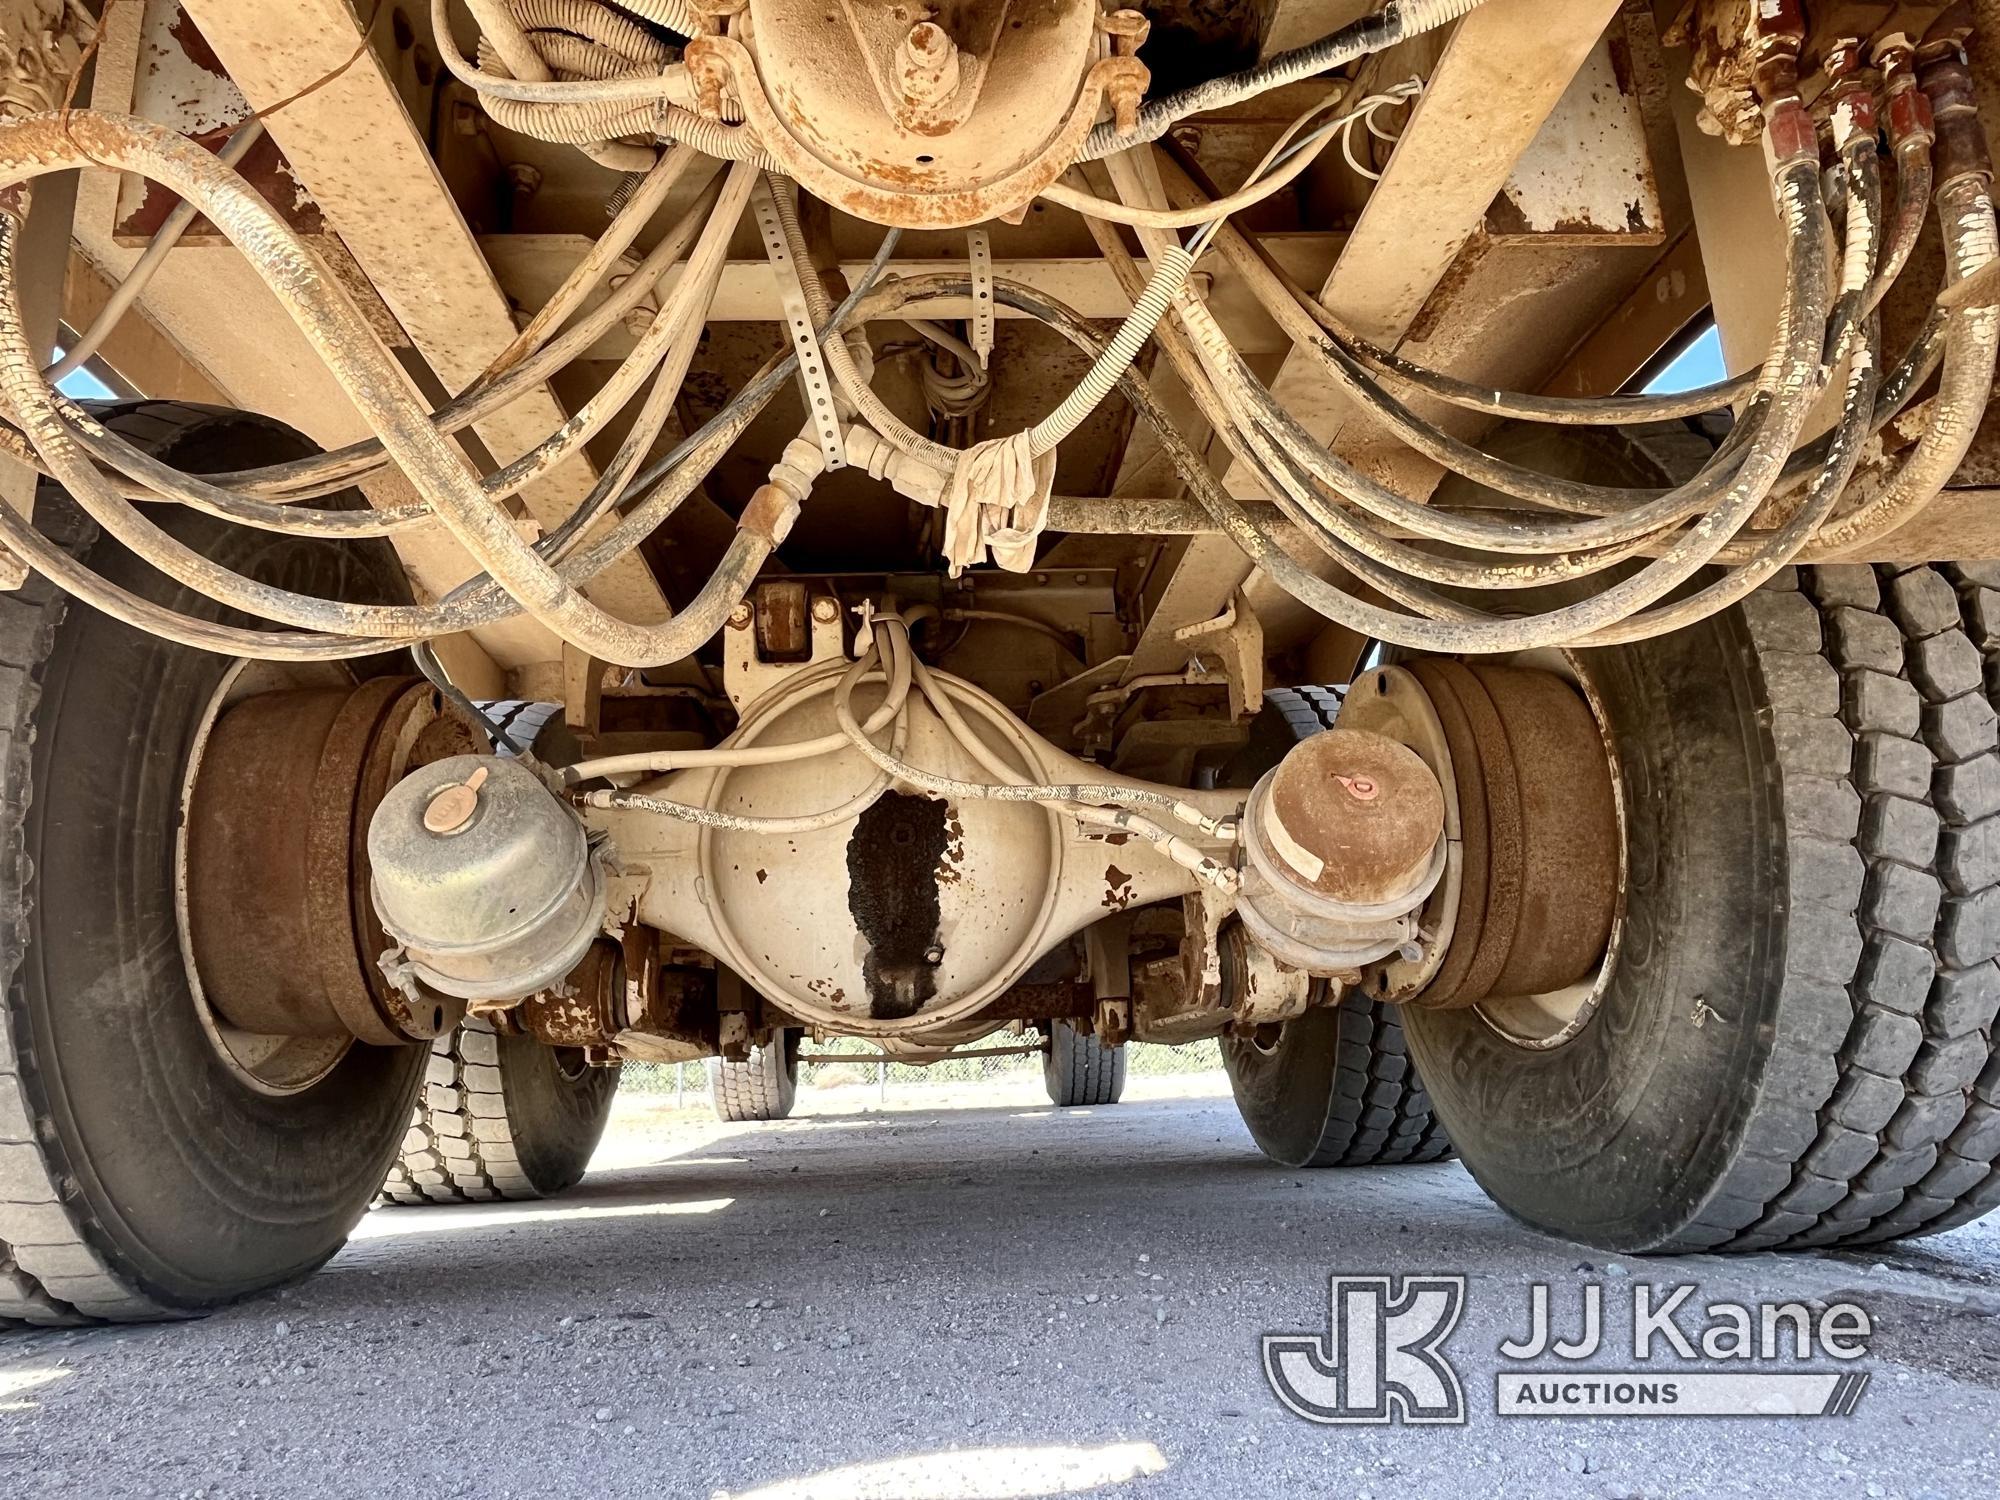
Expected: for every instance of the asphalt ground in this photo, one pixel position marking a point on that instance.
(959, 1298)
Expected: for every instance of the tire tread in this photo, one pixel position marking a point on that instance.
(460, 1144)
(51, 1271)
(1869, 1109)
(758, 1088)
(1080, 1070)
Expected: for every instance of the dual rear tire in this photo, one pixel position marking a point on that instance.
(1080, 1070)
(500, 1117)
(763, 1086)
(149, 1168)
(1792, 1039)
(142, 1175)
(1794, 1045)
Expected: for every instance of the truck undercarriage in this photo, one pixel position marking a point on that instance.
(659, 530)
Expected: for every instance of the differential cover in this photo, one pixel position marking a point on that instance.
(918, 906)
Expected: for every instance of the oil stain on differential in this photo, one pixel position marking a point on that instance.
(893, 859)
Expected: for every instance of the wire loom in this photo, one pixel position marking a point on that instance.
(1395, 568)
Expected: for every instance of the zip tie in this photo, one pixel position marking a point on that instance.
(979, 251)
(814, 386)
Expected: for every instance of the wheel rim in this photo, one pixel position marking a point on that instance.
(1549, 1019)
(277, 931)
(265, 1062)
(1525, 928)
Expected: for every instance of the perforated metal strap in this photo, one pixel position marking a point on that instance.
(815, 387)
(979, 250)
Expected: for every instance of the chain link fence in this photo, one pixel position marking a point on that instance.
(688, 1082)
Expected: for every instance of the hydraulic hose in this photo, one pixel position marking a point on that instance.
(1185, 184)
(897, 672)
(1396, 22)
(377, 388)
(637, 210)
(1965, 382)
(1451, 627)
(1089, 393)
(674, 15)
(177, 222)
(242, 497)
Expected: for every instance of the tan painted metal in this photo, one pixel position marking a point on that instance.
(530, 266)
(1502, 73)
(138, 350)
(1588, 173)
(961, 117)
(818, 922)
(372, 173)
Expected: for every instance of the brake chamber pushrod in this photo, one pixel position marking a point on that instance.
(1402, 569)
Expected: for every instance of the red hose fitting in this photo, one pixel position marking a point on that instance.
(1946, 78)
(1777, 37)
(1908, 110)
(1850, 98)
(1789, 135)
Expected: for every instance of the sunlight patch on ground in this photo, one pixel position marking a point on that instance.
(1014, 1473)
(434, 1219)
(15, 1383)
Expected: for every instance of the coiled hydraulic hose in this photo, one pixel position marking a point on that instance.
(592, 42)
(607, 90)
(676, 15)
(242, 497)
(53, 143)
(1274, 445)
(379, 392)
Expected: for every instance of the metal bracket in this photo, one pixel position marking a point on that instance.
(979, 251)
(1237, 636)
(746, 675)
(815, 386)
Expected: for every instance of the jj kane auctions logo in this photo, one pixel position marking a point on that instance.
(1382, 1357)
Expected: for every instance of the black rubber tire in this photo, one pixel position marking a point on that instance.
(139, 1177)
(1796, 1044)
(500, 1117)
(1078, 1069)
(520, 727)
(764, 1086)
(1337, 1088)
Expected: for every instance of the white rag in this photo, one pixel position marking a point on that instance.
(997, 498)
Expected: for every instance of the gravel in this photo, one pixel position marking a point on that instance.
(981, 1302)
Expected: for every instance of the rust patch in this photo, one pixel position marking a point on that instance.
(1117, 889)
(950, 862)
(893, 861)
(183, 30)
